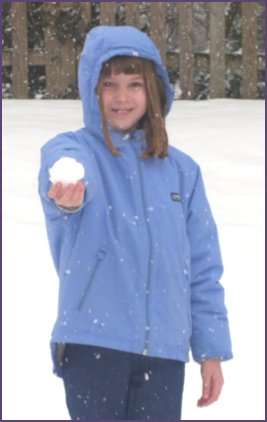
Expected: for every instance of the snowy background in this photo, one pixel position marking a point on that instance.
(226, 137)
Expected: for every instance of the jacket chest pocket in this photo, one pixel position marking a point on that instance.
(101, 254)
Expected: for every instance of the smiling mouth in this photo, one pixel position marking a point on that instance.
(121, 112)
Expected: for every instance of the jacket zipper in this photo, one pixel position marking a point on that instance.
(100, 256)
(147, 327)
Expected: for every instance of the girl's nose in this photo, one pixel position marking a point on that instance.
(121, 94)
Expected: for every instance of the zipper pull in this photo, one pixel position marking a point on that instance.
(101, 254)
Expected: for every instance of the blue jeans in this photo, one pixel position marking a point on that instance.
(101, 383)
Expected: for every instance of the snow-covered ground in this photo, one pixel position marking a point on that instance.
(226, 137)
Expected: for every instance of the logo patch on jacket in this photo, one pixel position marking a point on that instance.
(176, 197)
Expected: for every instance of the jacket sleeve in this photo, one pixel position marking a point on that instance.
(210, 331)
(64, 145)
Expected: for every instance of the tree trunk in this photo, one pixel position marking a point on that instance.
(217, 50)
(86, 15)
(158, 27)
(132, 14)
(107, 12)
(60, 62)
(249, 47)
(186, 66)
(19, 49)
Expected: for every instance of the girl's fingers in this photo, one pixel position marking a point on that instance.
(71, 195)
(211, 396)
(77, 194)
(212, 382)
(55, 190)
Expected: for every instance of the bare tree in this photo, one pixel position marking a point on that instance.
(19, 49)
(107, 13)
(217, 50)
(186, 38)
(158, 27)
(132, 14)
(249, 45)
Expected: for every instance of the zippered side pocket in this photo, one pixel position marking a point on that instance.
(100, 257)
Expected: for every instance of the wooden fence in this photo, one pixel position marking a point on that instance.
(60, 60)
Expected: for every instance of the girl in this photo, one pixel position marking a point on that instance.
(134, 244)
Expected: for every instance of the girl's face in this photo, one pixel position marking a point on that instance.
(124, 100)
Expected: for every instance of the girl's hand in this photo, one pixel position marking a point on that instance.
(70, 197)
(212, 382)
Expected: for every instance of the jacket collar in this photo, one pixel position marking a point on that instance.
(122, 140)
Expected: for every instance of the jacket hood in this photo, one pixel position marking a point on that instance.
(101, 44)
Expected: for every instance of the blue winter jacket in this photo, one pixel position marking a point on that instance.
(139, 263)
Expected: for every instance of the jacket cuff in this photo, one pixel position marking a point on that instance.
(69, 210)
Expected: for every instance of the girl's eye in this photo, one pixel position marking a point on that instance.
(108, 84)
(137, 84)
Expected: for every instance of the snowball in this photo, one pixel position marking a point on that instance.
(66, 170)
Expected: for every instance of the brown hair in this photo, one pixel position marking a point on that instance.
(153, 122)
